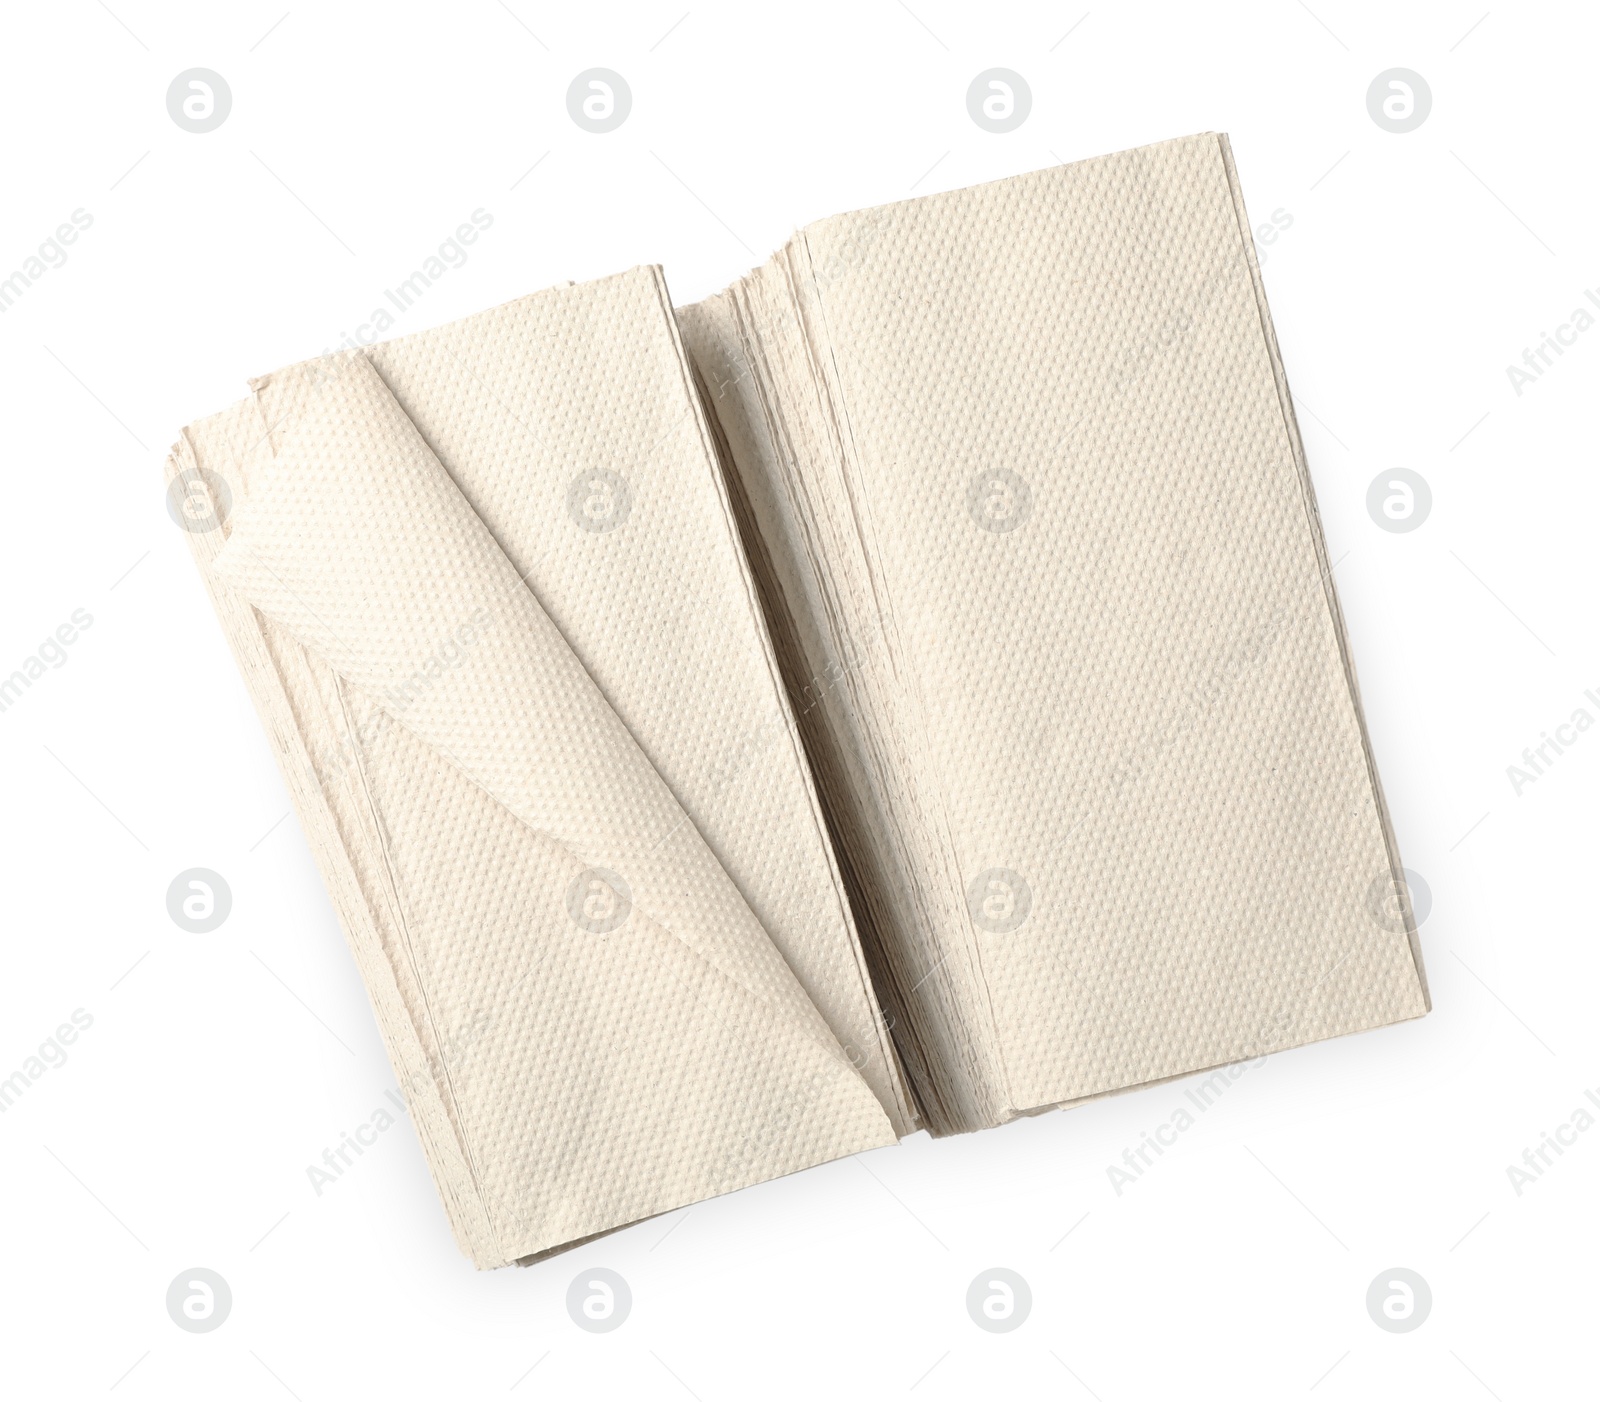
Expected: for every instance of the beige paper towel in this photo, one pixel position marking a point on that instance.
(950, 626)
(1028, 450)
(485, 813)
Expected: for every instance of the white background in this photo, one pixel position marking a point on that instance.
(1416, 268)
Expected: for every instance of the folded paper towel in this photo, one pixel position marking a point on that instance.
(904, 690)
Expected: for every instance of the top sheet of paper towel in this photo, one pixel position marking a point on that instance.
(1042, 429)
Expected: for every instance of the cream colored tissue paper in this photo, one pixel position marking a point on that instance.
(1022, 473)
(544, 757)
(915, 698)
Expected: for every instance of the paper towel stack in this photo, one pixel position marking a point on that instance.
(906, 690)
